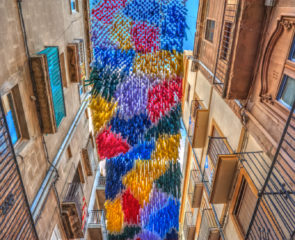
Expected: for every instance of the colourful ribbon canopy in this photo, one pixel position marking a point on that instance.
(136, 81)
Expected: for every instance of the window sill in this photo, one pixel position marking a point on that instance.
(21, 146)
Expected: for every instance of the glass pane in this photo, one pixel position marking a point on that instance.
(73, 5)
(288, 95)
(11, 118)
(293, 54)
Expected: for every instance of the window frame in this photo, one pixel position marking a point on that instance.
(18, 111)
(76, 9)
(207, 32)
(292, 50)
(226, 45)
(243, 176)
(15, 116)
(281, 89)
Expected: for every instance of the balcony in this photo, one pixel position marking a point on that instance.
(72, 205)
(220, 169)
(274, 214)
(100, 192)
(189, 226)
(235, 79)
(198, 124)
(96, 225)
(89, 159)
(195, 189)
(208, 227)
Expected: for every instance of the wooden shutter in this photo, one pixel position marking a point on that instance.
(245, 205)
(86, 161)
(73, 62)
(43, 91)
(63, 70)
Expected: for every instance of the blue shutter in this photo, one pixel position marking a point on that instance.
(55, 82)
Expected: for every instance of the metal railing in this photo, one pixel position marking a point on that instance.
(195, 178)
(208, 225)
(274, 214)
(74, 194)
(96, 217)
(101, 182)
(217, 146)
(195, 105)
(189, 226)
(16, 219)
(257, 165)
(219, 226)
(227, 36)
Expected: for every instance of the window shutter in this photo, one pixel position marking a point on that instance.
(73, 62)
(86, 162)
(245, 206)
(43, 92)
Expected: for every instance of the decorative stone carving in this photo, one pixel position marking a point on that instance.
(284, 24)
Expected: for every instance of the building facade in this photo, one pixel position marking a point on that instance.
(49, 164)
(238, 111)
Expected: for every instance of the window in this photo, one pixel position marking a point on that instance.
(14, 114)
(287, 91)
(226, 40)
(292, 52)
(74, 6)
(55, 82)
(188, 92)
(11, 117)
(210, 30)
(244, 206)
(81, 52)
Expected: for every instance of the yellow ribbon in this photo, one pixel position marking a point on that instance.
(101, 111)
(114, 215)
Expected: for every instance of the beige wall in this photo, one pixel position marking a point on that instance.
(48, 23)
(191, 78)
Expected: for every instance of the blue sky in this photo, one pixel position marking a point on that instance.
(192, 6)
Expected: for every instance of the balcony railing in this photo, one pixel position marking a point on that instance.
(101, 182)
(208, 228)
(189, 226)
(226, 42)
(217, 146)
(198, 124)
(195, 189)
(74, 194)
(274, 215)
(195, 105)
(96, 218)
(16, 220)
